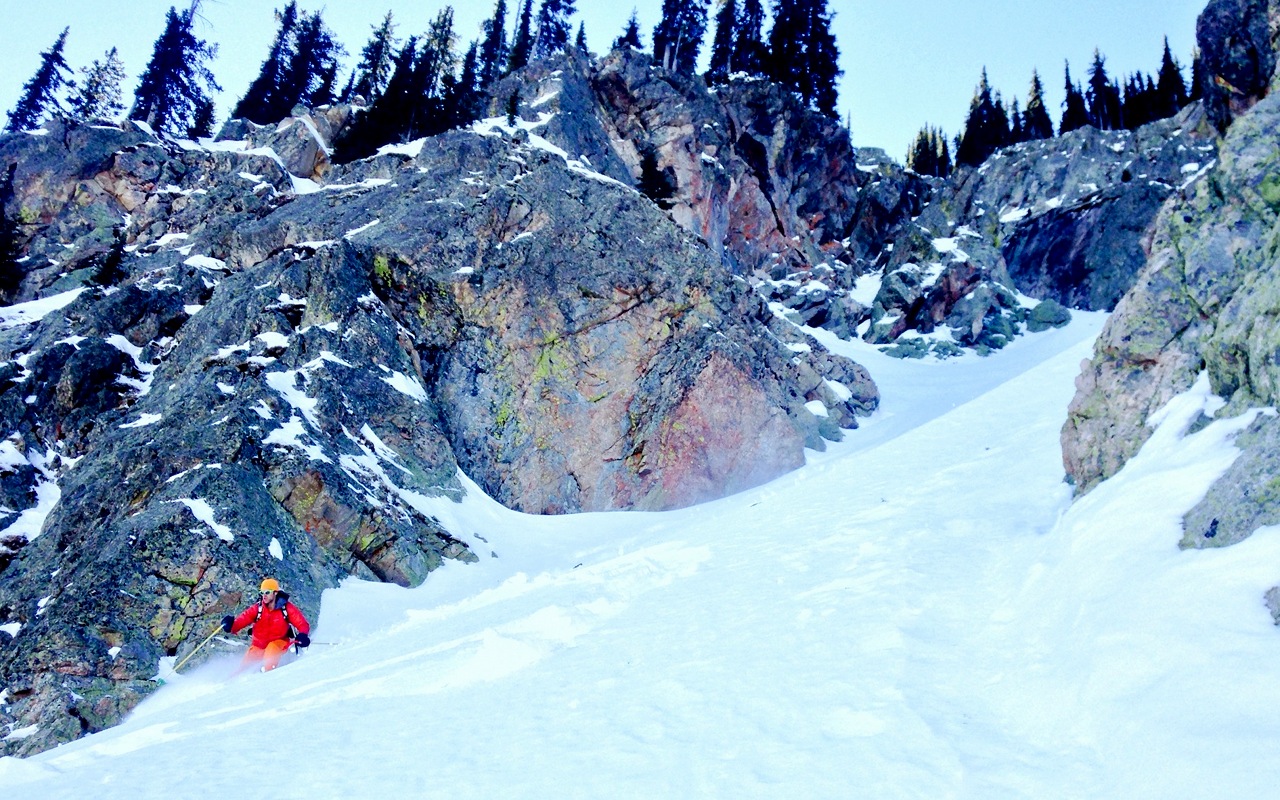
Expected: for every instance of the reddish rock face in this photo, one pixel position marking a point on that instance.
(723, 437)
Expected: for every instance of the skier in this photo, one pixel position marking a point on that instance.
(273, 619)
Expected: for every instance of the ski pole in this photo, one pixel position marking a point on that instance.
(216, 631)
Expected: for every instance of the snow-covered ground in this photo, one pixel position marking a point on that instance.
(920, 612)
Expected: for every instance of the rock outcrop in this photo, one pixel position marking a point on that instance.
(1237, 44)
(236, 358)
(1206, 301)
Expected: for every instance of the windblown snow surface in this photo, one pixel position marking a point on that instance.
(920, 612)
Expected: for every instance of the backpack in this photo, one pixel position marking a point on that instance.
(282, 603)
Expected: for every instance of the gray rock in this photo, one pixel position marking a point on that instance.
(288, 384)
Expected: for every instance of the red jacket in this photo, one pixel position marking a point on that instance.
(269, 622)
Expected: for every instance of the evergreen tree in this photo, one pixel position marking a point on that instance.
(1017, 133)
(432, 78)
(985, 130)
(786, 45)
(1140, 104)
(630, 35)
(261, 103)
(300, 69)
(40, 94)
(376, 59)
(1195, 91)
(722, 43)
(466, 102)
(11, 271)
(313, 65)
(749, 52)
(922, 158)
(580, 40)
(1036, 123)
(823, 58)
(1103, 97)
(803, 55)
(929, 154)
(1075, 114)
(553, 27)
(381, 121)
(1171, 90)
(202, 119)
(109, 269)
(522, 46)
(177, 82)
(98, 94)
(1000, 123)
(513, 107)
(677, 40)
(493, 48)
(422, 97)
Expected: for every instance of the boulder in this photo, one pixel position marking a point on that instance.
(1236, 43)
(283, 378)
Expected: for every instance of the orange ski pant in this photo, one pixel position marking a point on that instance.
(269, 655)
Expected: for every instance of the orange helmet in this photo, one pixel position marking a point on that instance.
(269, 585)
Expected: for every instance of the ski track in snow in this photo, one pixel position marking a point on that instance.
(918, 612)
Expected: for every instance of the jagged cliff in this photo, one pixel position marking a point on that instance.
(235, 358)
(1207, 299)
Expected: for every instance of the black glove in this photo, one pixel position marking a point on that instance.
(303, 640)
(227, 622)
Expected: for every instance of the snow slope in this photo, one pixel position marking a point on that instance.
(919, 612)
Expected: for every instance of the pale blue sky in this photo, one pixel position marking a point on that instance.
(906, 63)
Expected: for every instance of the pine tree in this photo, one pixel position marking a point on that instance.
(98, 94)
(922, 157)
(803, 55)
(300, 69)
(522, 45)
(553, 27)
(580, 40)
(1103, 97)
(1017, 133)
(11, 271)
(630, 35)
(374, 70)
(1171, 89)
(40, 94)
(1140, 102)
(722, 43)
(493, 48)
(109, 269)
(823, 58)
(1195, 91)
(376, 125)
(177, 82)
(202, 119)
(677, 40)
(261, 103)
(986, 129)
(432, 78)
(465, 103)
(1000, 122)
(786, 45)
(929, 154)
(749, 52)
(313, 65)
(1036, 123)
(1075, 114)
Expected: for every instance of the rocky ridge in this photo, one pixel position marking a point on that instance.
(1206, 301)
(238, 357)
(235, 358)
